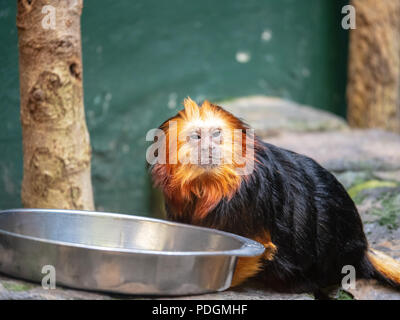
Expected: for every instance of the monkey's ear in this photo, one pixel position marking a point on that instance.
(191, 108)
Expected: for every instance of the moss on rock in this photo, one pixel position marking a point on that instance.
(355, 192)
(344, 295)
(17, 287)
(389, 210)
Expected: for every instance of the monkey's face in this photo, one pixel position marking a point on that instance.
(204, 143)
(209, 143)
(207, 155)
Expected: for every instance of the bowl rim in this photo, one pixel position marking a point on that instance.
(249, 247)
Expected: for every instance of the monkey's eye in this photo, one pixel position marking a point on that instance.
(216, 133)
(195, 136)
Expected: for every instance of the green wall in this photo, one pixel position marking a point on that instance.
(141, 58)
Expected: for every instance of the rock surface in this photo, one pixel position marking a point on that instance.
(252, 290)
(347, 150)
(269, 116)
(14, 289)
(366, 162)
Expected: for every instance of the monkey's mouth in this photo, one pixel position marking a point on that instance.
(209, 162)
(208, 166)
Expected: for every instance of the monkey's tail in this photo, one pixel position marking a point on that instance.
(383, 268)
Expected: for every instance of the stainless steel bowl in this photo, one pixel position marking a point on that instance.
(119, 253)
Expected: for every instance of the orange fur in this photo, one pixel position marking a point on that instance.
(249, 267)
(245, 269)
(186, 183)
(386, 265)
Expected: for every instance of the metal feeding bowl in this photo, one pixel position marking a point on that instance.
(119, 253)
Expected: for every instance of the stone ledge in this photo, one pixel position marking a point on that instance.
(15, 289)
(270, 116)
(354, 150)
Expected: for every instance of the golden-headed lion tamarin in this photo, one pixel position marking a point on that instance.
(307, 222)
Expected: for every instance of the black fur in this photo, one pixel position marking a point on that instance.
(311, 218)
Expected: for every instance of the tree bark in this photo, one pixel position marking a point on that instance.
(56, 143)
(373, 91)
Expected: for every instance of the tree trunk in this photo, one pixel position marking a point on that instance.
(56, 141)
(373, 90)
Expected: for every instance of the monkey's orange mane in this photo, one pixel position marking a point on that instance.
(191, 187)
